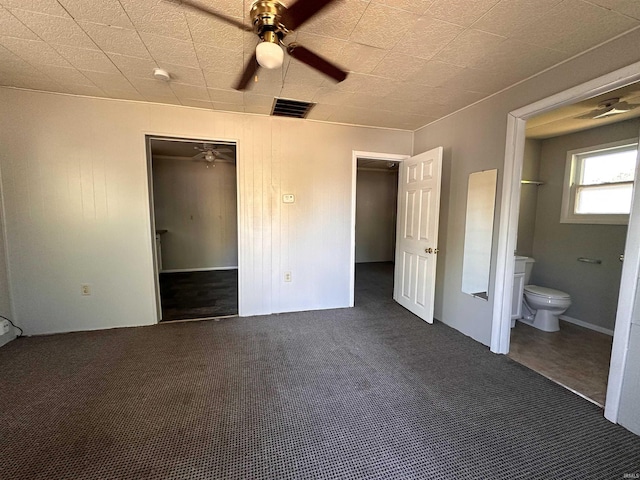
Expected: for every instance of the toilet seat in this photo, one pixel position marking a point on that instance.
(544, 292)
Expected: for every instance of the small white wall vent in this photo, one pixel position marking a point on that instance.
(283, 107)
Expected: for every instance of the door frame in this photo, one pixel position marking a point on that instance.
(508, 228)
(148, 136)
(388, 157)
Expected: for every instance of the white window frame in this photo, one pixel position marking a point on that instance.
(567, 214)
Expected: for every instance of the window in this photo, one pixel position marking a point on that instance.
(599, 183)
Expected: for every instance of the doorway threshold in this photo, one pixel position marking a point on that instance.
(183, 320)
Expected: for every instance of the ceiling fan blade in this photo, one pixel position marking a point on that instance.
(218, 15)
(224, 158)
(316, 61)
(609, 112)
(589, 116)
(249, 71)
(303, 10)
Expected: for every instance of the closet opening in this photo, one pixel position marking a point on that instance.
(375, 228)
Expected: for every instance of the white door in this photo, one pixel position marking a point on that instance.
(417, 233)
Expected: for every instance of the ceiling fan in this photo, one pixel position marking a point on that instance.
(209, 154)
(609, 107)
(272, 21)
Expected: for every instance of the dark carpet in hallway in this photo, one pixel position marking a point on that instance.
(203, 294)
(370, 392)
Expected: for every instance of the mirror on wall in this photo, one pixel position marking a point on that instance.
(478, 233)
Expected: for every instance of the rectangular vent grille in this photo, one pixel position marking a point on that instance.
(291, 108)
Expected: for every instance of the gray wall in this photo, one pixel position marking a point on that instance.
(198, 208)
(473, 140)
(376, 199)
(528, 198)
(556, 246)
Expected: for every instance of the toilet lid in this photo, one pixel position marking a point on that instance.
(545, 292)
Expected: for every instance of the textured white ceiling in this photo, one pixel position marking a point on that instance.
(411, 61)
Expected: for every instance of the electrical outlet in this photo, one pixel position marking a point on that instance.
(85, 289)
(287, 276)
(5, 326)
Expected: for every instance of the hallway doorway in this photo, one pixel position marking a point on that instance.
(193, 190)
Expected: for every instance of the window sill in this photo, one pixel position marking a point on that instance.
(597, 219)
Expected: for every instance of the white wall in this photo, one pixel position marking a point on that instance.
(376, 200)
(474, 139)
(5, 300)
(77, 208)
(198, 208)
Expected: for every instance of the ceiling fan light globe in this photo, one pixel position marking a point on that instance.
(269, 55)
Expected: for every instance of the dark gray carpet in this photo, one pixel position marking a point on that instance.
(203, 294)
(365, 393)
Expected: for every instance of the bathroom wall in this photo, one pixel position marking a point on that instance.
(556, 246)
(376, 194)
(528, 198)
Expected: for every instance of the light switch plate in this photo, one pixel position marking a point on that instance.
(288, 198)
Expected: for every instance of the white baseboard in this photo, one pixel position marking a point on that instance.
(584, 324)
(208, 269)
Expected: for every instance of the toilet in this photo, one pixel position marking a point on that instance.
(544, 306)
(541, 306)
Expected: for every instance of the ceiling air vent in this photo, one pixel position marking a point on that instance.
(283, 107)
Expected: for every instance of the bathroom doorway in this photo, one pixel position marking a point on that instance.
(193, 193)
(575, 197)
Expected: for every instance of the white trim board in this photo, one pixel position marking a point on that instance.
(390, 157)
(590, 326)
(207, 269)
(509, 209)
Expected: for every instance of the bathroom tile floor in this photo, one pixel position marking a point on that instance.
(575, 357)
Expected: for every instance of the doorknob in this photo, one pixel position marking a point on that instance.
(428, 250)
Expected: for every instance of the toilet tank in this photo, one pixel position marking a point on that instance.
(524, 265)
(528, 267)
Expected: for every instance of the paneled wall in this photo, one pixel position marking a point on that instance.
(77, 206)
(376, 200)
(197, 206)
